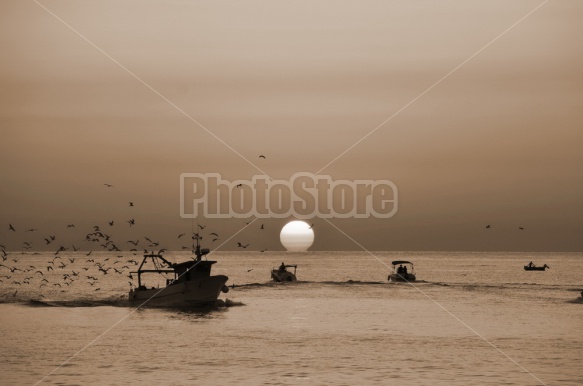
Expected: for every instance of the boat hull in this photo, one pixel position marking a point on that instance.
(194, 293)
(279, 277)
(402, 277)
(527, 268)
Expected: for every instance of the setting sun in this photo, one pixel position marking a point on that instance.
(297, 236)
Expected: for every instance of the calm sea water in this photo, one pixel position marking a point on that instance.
(472, 319)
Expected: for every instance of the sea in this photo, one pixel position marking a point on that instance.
(471, 318)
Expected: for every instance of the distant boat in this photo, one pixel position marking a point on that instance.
(403, 271)
(192, 285)
(533, 267)
(281, 274)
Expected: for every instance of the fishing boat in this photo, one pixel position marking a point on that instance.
(281, 274)
(191, 285)
(533, 267)
(403, 271)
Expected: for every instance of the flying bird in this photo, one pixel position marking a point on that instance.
(108, 185)
(132, 222)
(521, 228)
(131, 203)
(71, 226)
(110, 223)
(488, 227)
(261, 156)
(180, 235)
(242, 246)
(10, 227)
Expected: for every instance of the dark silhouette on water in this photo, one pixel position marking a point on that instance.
(401, 273)
(192, 285)
(281, 274)
(532, 267)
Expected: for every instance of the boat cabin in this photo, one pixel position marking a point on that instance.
(183, 272)
(402, 271)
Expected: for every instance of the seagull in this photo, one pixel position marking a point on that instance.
(201, 226)
(132, 222)
(214, 234)
(131, 203)
(242, 246)
(31, 230)
(263, 250)
(108, 185)
(180, 235)
(311, 226)
(87, 254)
(239, 185)
(110, 223)
(10, 227)
(521, 228)
(249, 270)
(71, 226)
(261, 156)
(262, 227)
(488, 227)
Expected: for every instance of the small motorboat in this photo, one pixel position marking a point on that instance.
(281, 274)
(403, 271)
(533, 267)
(192, 285)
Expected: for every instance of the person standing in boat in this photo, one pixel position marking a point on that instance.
(282, 267)
(531, 264)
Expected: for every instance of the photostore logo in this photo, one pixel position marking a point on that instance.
(304, 195)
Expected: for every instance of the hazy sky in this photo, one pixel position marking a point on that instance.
(497, 142)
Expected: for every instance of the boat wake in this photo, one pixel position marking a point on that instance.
(114, 302)
(74, 303)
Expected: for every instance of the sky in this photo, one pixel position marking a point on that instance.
(475, 118)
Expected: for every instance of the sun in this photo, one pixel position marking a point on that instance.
(297, 236)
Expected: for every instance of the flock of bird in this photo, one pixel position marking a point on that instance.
(64, 269)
